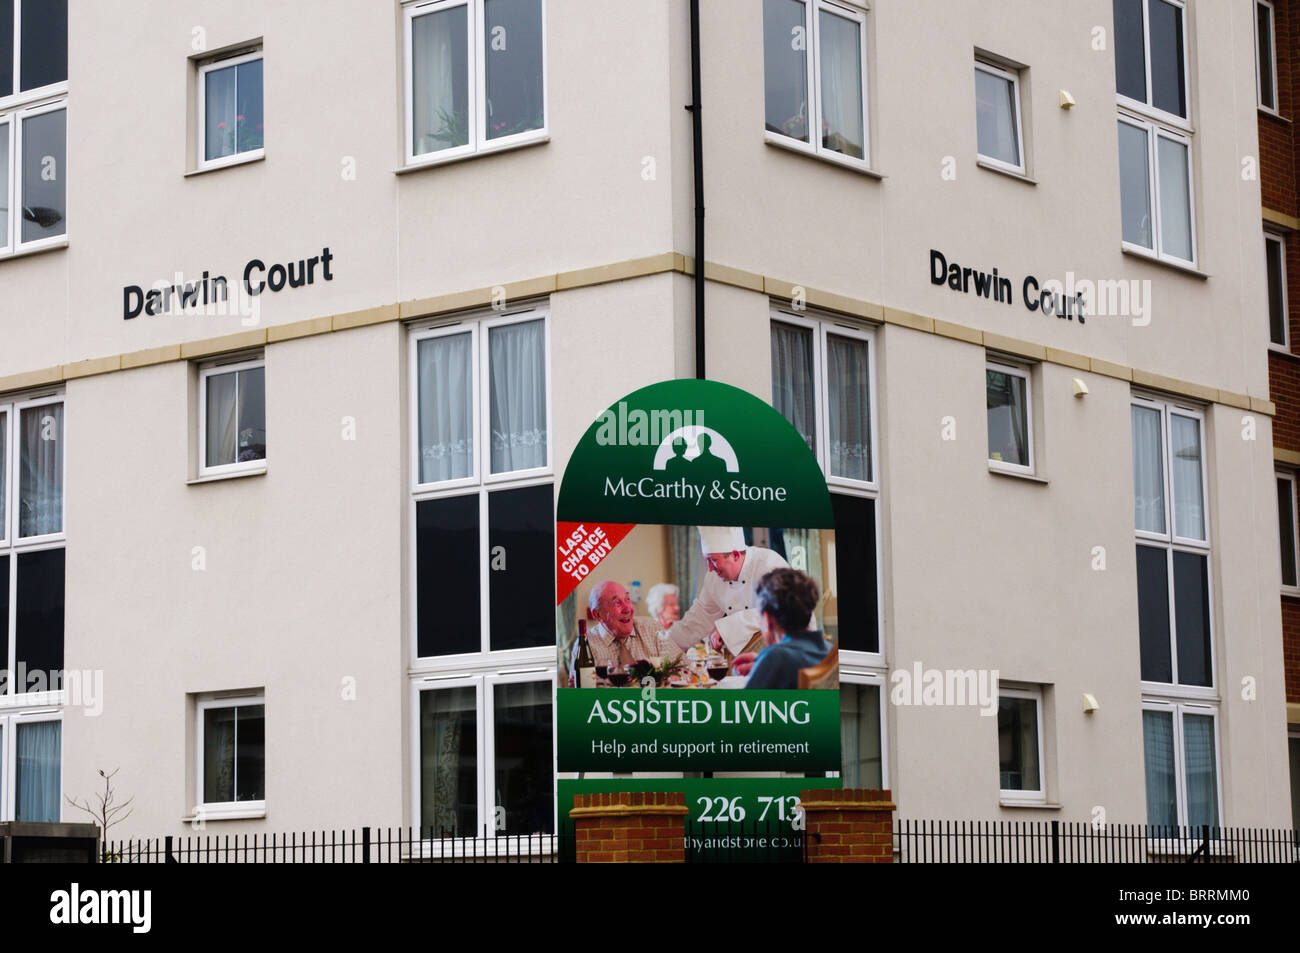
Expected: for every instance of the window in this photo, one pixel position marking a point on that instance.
(1182, 759)
(997, 117)
(1010, 417)
(1286, 527)
(862, 736)
(823, 382)
(31, 607)
(1275, 261)
(230, 120)
(1265, 56)
(483, 588)
(1020, 744)
(232, 417)
(815, 64)
(33, 124)
(1173, 550)
(475, 76)
(1154, 132)
(31, 766)
(231, 747)
(485, 755)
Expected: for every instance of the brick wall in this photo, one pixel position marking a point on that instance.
(630, 827)
(849, 826)
(1278, 172)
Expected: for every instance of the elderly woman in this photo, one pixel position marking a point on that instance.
(786, 599)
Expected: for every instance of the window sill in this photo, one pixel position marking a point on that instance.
(205, 814)
(1164, 263)
(418, 165)
(1016, 802)
(1010, 173)
(233, 475)
(781, 142)
(1290, 593)
(217, 166)
(58, 245)
(1283, 351)
(1016, 474)
(1273, 114)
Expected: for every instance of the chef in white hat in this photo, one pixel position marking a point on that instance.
(726, 609)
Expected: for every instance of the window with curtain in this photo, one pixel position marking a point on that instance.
(483, 504)
(1020, 768)
(1173, 549)
(814, 77)
(233, 752)
(233, 412)
(822, 383)
(231, 121)
(37, 766)
(1182, 773)
(1154, 132)
(31, 548)
(33, 123)
(861, 739)
(476, 76)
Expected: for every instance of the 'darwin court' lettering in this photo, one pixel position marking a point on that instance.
(214, 289)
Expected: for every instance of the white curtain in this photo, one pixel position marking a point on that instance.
(518, 396)
(860, 736)
(219, 755)
(38, 750)
(1202, 784)
(1148, 471)
(1158, 740)
(4, 178)
(4, 466)
(40, 491)
(222, 422)
(849, 407)
(1185, 440)
(841, 69)
(447, 716)
(435, 40)
(793, 381)
(446, 383)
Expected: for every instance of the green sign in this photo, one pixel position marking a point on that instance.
(694, 452)
(729, 819)
(611, 729)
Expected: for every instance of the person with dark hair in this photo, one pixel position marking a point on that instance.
(786, 599)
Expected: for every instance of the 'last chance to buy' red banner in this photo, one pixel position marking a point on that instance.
(581, 547)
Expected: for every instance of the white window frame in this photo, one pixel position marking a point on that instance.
(1154, 133)
(1284, 346)
(1146, 109)
(217, 369)
(1290, 479)
(9, 722)
(11, 233)
(203, 163)
(481, 484)
(1171, 542)
(484, 683)
(1178, 710)
(822, 325)
(1012, 76)
(1013, 796)
(476, 90)
(812, 30)
(1002, 366)
(1272, 57)
(876, 677)
(16, 408)
(225, 810)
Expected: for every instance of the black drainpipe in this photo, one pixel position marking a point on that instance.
(694, 108)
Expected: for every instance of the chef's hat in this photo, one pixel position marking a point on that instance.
(721, 539)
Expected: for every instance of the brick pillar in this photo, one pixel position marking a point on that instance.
(849, 826)
(627, 827)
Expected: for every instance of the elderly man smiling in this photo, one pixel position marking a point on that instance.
(621, 636)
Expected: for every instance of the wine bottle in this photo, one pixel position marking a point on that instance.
(583, 663)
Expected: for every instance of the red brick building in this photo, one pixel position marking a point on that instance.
(1278, 84)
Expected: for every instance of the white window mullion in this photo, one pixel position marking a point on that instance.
(477, 87)
(481, 701)
(487, 761)
(1180, 766)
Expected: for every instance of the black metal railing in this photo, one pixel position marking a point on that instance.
(362, 845)
(1066, 842)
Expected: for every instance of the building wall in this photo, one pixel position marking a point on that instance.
(304, 572)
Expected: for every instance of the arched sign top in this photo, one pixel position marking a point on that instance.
(694, 452)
